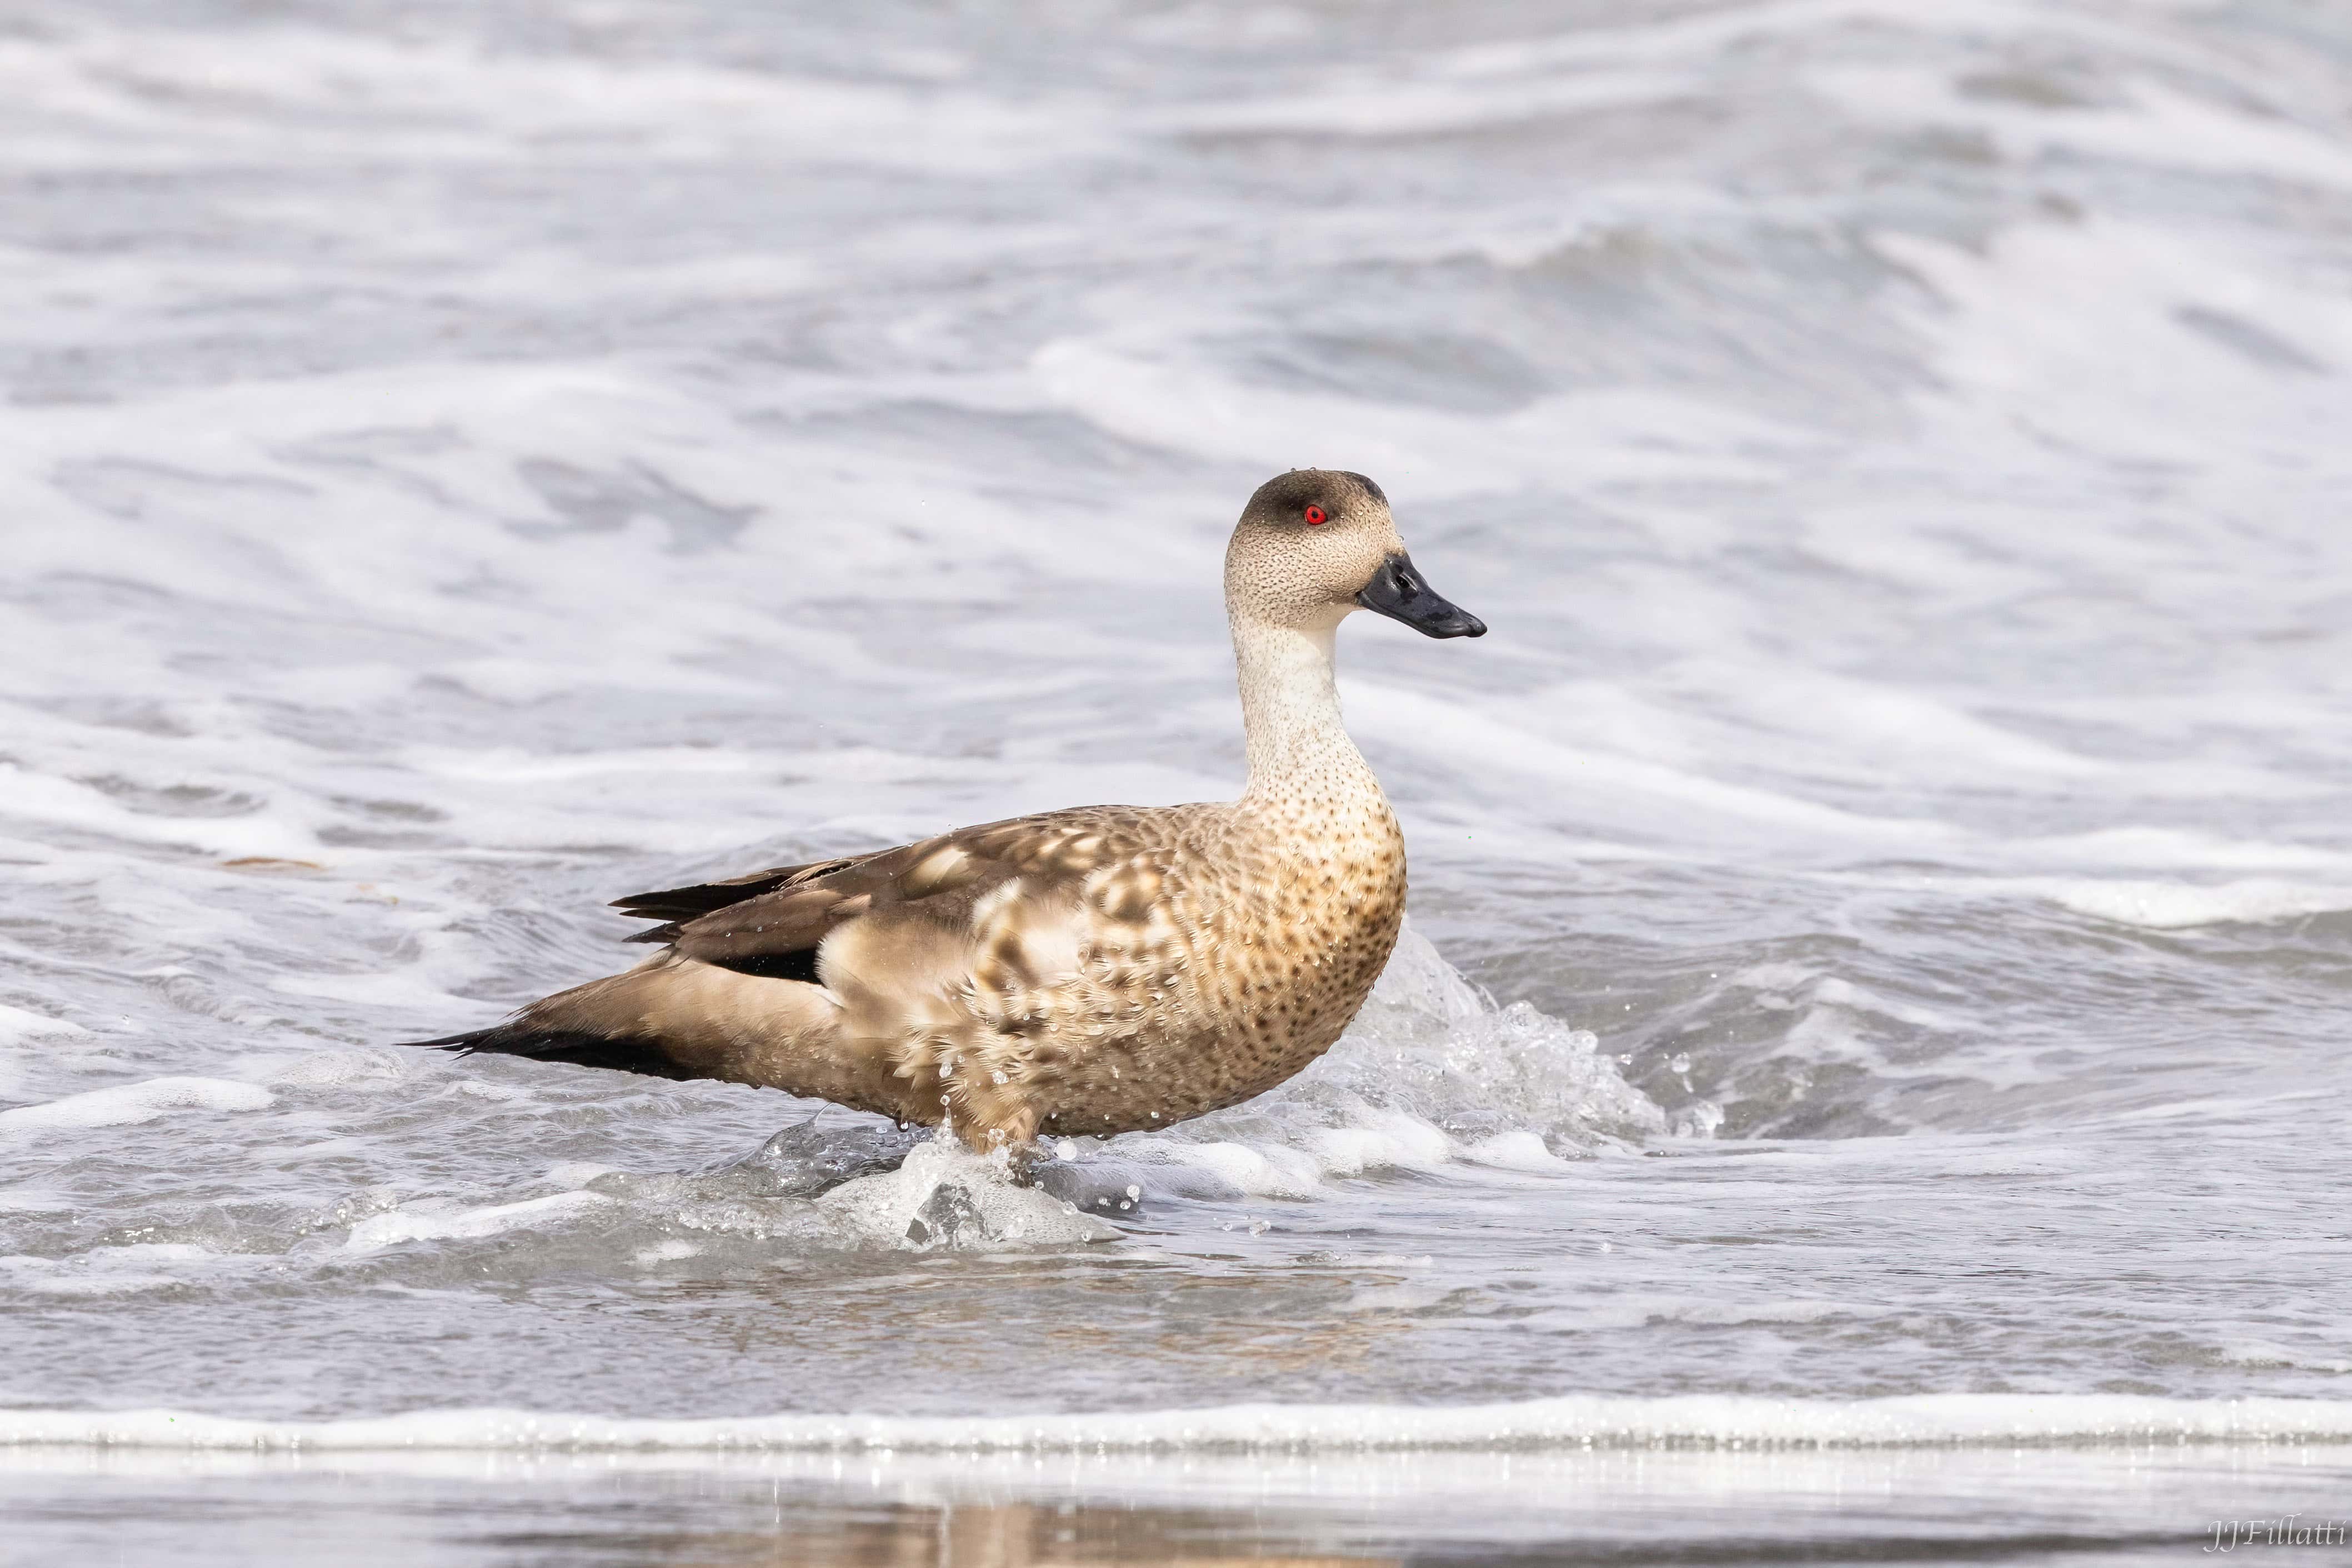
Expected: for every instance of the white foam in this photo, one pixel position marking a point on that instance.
(1679, 802)
(346, 1069)
(1519, 1151)
(2158, 126)
(125, 98)
(1694, 1420)
(1269, 1172)
(18, 1027)
(125, 1103)
(943, 1195)
(111, 1270)
(401, 1225)
(2268, 1353)
(1631, 436)
(2176, 905)
(1387, 1141)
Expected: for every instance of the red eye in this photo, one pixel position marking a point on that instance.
(1317, 515)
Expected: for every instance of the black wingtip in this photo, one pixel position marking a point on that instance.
(684, 904)
(465, 1043)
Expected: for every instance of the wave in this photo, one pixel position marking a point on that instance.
(125, 1105)
(1576, 1421)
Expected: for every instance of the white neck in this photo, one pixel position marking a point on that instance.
(1290, 711)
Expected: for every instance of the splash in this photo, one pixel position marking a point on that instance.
(1430, 1072)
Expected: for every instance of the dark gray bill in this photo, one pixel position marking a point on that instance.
(1398, 592)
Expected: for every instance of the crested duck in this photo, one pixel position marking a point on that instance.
(1096, 970)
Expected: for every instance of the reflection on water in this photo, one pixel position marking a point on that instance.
(1008, 1511)
(1016, 1535)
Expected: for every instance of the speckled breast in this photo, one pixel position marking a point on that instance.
(1289, 946)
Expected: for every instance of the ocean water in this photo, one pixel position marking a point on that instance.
(1867, 1072)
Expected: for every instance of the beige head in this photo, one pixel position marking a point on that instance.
(1316, 543)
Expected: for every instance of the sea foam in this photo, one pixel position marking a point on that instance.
(124, 1103)
(1695, 1420)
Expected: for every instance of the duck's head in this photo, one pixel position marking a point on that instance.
(1316, 543)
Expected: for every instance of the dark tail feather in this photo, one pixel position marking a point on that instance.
(682, 903)
(561, 1045)
(464, 1044)
(685, 903)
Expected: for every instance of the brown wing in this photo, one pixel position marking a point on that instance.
(771, 922)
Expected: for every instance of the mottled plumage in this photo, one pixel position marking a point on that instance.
(1094, 970)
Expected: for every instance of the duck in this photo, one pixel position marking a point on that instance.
(1091, 972)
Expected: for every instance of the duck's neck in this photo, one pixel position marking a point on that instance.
(1290, 716)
